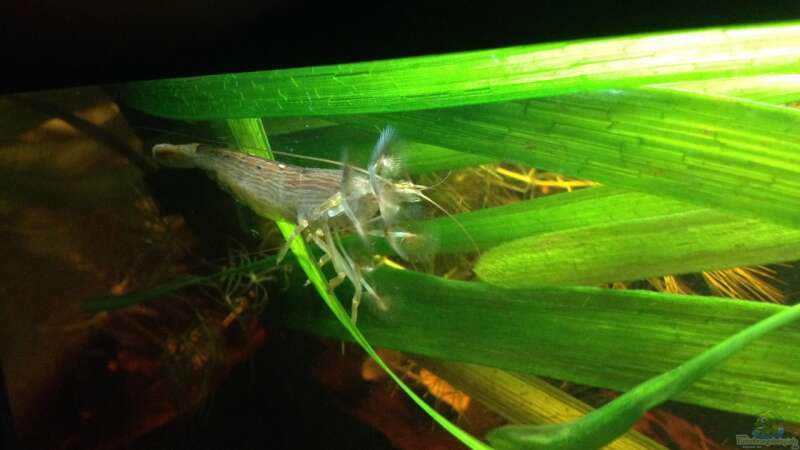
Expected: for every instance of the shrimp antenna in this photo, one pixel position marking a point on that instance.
(275, 152)
(322, 160)
(453, 218)
(440, 182)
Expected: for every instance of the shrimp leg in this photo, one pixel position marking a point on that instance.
(324, 259)
(348, 268)
(340, 264)
(382, 304)
(302, 224)
(347, 191)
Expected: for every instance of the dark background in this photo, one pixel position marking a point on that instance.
(54, 43)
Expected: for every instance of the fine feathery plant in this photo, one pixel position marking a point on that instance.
(694, 141)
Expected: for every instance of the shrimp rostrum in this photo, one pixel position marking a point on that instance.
(323, 203)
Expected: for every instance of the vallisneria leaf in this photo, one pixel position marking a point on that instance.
(524, 399)
(719, 152)
(326, 141)
(475, 77)
(605, 424)
(627, 249)
(595, 207)
(607, 338)
(250, 135)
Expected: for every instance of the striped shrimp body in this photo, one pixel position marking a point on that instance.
(321, 202)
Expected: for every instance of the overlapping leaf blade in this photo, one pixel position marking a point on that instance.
(719, 152)
(475, 77)
(598, 337)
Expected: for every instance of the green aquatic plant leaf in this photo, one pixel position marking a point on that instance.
(329, 141)
(475, 77)
(627, 236)
(605, 424)
(524, 399)
(252, 134)
(607, 338)
(720, 152)
(598, 209)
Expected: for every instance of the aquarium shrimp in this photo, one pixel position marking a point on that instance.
(321, 202)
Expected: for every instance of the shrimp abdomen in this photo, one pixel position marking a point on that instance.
(272, 189)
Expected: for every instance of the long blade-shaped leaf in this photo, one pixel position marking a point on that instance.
(597, 207)
(328, 142)
(715, 151)
(475, 77)
(524, 399)
(605, 424)
(685, 242)
(599, 337)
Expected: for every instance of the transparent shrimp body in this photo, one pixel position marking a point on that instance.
(323, 203)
